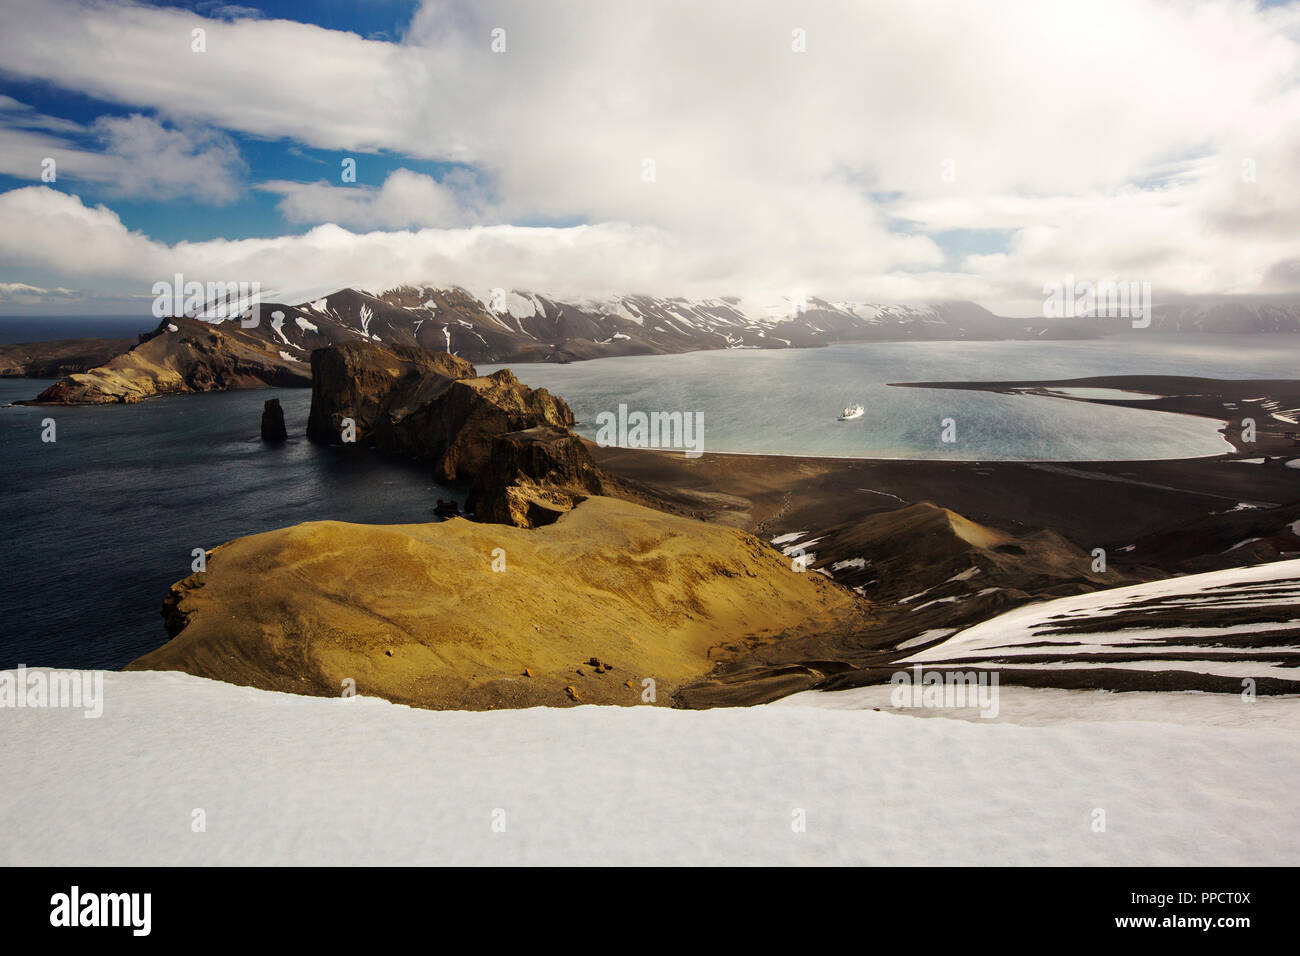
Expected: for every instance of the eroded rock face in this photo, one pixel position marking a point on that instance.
(533, 477)
(429, 406)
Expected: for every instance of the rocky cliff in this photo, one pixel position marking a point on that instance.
(429, 406)
(379, 389)
(534, 476)
(182, 355)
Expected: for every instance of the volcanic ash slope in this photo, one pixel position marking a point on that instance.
(416, 614)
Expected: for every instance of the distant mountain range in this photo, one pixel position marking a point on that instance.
(1227, 313)
(202, 354)
(520, 326)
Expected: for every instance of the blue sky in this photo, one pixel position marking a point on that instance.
(254, 213)
(936, 150)
(373, 19)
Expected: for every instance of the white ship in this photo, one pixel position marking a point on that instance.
(852, 412)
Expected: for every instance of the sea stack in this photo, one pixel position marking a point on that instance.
(273, 421)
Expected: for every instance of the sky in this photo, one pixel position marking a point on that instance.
(856, 150)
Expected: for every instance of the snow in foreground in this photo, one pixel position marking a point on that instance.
(1050, 705)
(285, 779)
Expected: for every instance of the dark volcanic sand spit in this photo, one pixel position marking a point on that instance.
(1092, 503)
(1227, 400)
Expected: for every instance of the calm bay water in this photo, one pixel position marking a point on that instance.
(786, 402)
(98, 524)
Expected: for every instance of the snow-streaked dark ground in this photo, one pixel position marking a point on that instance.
(1240, 623)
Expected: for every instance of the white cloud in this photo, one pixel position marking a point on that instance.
(271, 78)
(50, 229)
(152, 160)
(20, 115)
(28, 298)
(406, 199)
(1106, 135)
(139, 157)
(21, 292)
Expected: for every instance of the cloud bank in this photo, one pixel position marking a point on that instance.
(836, 147)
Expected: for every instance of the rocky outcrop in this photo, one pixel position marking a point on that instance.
(183, 355)
(273, 421)
(465, 615)
(425, 405)
(533, 477)
(378, 388)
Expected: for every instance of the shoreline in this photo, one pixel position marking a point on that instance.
(746, 475)
(1172, 402)
(886, 458)
(567, 358)
(1007, 532)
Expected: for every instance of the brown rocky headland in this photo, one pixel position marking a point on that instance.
(182, 355)
(418, 614)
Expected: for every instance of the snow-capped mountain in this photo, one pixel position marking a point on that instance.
(518, 326)
(1220, 314)
(522, 326)
(1229, 314)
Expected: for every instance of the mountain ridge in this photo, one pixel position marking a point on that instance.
(516, 325)
(201, 353)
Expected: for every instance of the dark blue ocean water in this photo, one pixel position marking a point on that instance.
(98, 524)
(44, 328)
